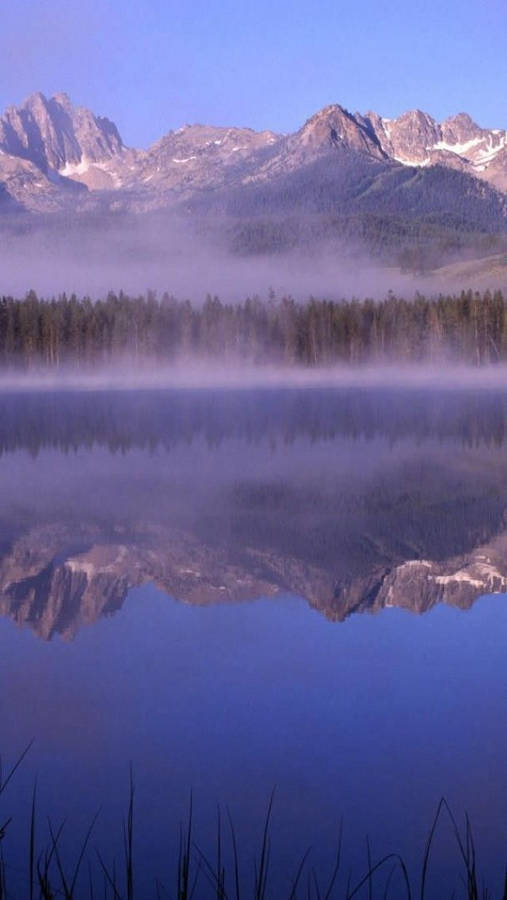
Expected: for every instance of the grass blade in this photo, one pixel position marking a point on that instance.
(261, 878)
(31, 849)
(4, 783)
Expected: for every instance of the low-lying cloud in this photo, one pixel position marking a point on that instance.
(134, 254)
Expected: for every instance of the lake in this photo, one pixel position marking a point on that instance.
(236, 591)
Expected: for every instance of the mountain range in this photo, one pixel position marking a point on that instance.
(53, 153)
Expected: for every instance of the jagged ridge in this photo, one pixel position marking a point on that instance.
(47, 145)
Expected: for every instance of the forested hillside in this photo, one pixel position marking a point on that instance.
(416, 218)
(469, 328)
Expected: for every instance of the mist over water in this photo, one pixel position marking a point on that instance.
(195, 374)
(217, 584)
(207, 565)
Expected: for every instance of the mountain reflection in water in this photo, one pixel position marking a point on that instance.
(356, 500)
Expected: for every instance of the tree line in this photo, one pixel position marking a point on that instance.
(469, 327)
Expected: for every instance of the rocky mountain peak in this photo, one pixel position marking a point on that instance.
(54, 134)
(213, 139)
(410, 135)
(334, 127)
(47, 145)
(460, 129)
(34, 102)
(417, 119)
(63, 100)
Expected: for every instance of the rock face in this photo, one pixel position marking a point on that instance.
(49, 145)
(331, 129)
(416, 139)
(199, 156)
(25, 187)
(57, 136)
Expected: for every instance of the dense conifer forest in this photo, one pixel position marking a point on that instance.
(466, 328)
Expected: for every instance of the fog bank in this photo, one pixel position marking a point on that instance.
(203, 376)
(185, 258)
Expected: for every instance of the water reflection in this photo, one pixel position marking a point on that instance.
(355, 500)
(122, 421)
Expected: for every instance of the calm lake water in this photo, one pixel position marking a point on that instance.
(237, 590)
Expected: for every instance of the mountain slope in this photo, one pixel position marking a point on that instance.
(344, 182)
(345, 201)
(342, 174)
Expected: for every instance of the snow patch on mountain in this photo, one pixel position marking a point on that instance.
(45, 143)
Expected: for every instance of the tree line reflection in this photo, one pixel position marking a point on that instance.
(125, 420)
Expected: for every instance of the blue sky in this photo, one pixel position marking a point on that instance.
(156, 64)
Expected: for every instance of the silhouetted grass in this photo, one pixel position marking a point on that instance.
(49, 876)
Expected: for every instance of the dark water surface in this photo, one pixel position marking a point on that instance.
(240, 589)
